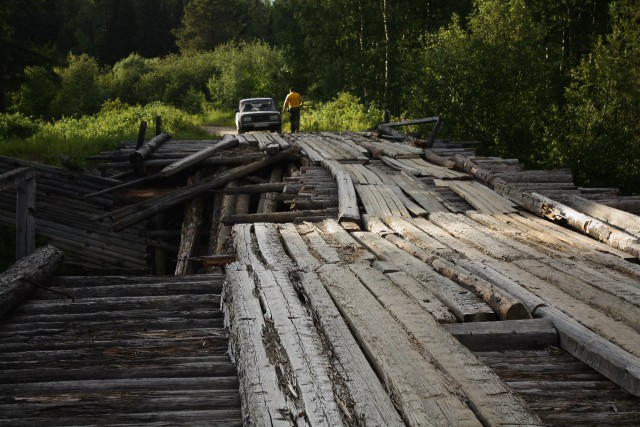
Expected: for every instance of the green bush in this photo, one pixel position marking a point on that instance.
(121, 81)
(17, 125)
(80, 92)
(36, 93)
(345, 112)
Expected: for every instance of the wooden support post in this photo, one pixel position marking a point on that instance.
(158, 125)
(190, 226)
(141, 133)
(25, 219)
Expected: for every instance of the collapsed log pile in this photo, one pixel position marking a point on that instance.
(188, 194)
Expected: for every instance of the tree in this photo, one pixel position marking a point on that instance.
(80, 92)
(245, 70)
(207, 24)
(603, 107)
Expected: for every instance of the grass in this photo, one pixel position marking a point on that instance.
(215, 117)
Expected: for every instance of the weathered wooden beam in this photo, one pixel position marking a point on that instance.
(531, 334)
(25, 218)
(147, 148)
(21, 278)
(140, 211)
(141, 131)
(191, 221)
(413, 122)
(621, 219)
(227, 141)
(13, 178)
(268, 187)
(276, 217)
(127, 184)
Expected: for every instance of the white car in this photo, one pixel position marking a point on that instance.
(258, 114)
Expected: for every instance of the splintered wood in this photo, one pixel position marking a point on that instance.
(338, 336)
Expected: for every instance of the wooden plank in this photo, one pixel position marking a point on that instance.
(297, 248)
(349, 248)
(278, 139)
(299, 341)
(421, 393)
(347, 201)
(371, 403)
(488, 397)
(534, 334)
(326, 253)
(436, 171)
(412, 207)
(395, 203)
(425, 198)
(12, 178)
(266, 145)
(25, 218)
(371, 199)
(462, 303)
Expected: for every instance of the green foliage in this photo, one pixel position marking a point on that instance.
(179, 80)
(17, 125)
(603, 108)
(80, 92)
(216, 117)
(247, 70)
(68, 141)
(491, 82)
(345, 112)
(207, 24)
(121, 82)
(36, 93)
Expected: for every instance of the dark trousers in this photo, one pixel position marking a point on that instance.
(294, 112)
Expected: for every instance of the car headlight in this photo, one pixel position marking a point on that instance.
(274, 117)
(246, 119)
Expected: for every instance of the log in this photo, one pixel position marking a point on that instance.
(141, 132)
(503, 304)
(21, 278)
(620, 366)
(413, 122)
(127, 184)
(267, 202)
(13, 178)
(276, 217)
(149, 147)
(269, 187)
(228, 207)
(227, 141)
(143, 210)
(347, 201)
(623, 220)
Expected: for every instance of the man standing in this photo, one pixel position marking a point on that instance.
(293, 102)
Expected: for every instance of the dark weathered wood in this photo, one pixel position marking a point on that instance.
(13, 178)
(507, 335)
(191, 221)
(25, 218)
(127, 184)
(413, 122)
(140, 211)
(21, 278)
(227, 141)
(269, 187)
(141, 131)
(147, 148)
(276, 217)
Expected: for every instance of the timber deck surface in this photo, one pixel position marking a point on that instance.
(367, 283)
(127, 351)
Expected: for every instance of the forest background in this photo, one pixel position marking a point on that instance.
(554, 83)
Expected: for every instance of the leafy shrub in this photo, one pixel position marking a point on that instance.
(179, 80)
(80, 91)
(17, 126)
(345, 112)
(246, 70)
(121, 81)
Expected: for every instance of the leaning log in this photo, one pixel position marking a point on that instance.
(22, 277)
(143, 210)
(227, 141)
(147, 148)
(190, 226)
(275, 217)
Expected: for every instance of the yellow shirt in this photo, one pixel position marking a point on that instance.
(293, 100)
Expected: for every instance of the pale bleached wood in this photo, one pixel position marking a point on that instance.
(423, 394)
(347, 201)
(466, 306)
(425, 198)
(297, 248)
(293, 324)
(488, 396)
(263, 403)
(371, 403)
(507, 307)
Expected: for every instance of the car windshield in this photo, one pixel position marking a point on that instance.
(257, 105)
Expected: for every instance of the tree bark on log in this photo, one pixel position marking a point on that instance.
(149, 147)
(227, 141)
(623, 220)
(143, 210)
(21, 278)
